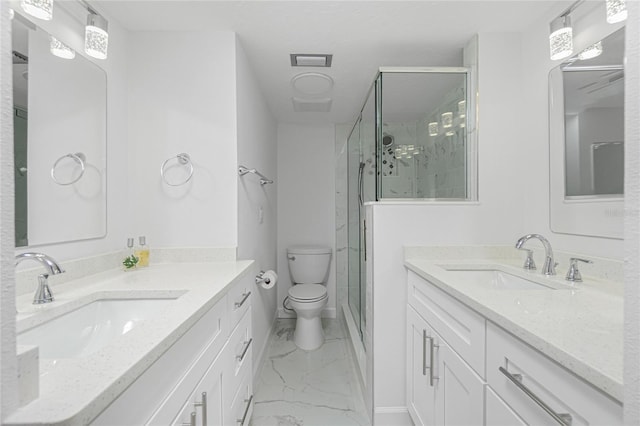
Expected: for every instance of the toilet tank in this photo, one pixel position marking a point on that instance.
(309, 264)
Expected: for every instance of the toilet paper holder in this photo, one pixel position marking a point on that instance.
(260, 278)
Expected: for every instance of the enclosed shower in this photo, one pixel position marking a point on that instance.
(410, 143)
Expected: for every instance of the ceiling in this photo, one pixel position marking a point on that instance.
(361, 35)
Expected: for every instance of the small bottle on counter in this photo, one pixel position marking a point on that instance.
(142, 253)
(131, 260)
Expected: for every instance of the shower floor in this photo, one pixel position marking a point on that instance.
(317, 388)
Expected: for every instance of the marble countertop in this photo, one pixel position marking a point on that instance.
(579, 326)
(74, 391)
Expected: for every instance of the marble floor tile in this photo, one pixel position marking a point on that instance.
(308, 388)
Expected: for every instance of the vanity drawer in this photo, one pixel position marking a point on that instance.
(239, 300)
(238, 354)
(462, 328)
(241, 406)
(552, 384)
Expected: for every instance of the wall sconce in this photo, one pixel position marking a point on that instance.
(60, 49)
(462, 109)
(41, 9)
(591, 51)
(616, 11)
(96, 40)
(561, 37)
(407, 151)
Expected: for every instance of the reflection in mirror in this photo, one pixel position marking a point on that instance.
(586, 135)
(594, 121)
(59, 141)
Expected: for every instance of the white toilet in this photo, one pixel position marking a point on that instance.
(309, 267)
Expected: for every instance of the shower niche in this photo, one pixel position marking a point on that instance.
(413, 141)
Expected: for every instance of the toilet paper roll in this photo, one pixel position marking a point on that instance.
(269, 279)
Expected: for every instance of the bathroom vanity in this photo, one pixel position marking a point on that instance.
(187, 358)
(490, 343)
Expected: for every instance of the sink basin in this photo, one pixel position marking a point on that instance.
(498, 280)
(91, 327)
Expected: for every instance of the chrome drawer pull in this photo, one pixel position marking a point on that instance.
(192, 420)
(244, 350)
(246, 410)
(203, 404)
(562, 418)
(245, 296)
(431, 346)
(424, 352)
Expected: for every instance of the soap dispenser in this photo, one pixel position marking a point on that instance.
(131, 260)
(142, 253)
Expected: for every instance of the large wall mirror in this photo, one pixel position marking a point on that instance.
(586, 95)
(59, 141)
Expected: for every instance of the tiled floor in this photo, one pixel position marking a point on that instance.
(316, 388)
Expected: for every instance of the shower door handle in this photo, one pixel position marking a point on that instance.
(361, 183)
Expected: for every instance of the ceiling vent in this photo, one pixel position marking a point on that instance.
(310, 60)
(311, 105)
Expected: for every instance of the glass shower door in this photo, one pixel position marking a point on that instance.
(353, 222)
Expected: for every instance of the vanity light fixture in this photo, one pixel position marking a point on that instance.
(561, 37)
(96, 38)
(447, 120)
(60, 49)
(433, 128)
(616, 11)
(462, 109)
(591, 51)
(41, 9)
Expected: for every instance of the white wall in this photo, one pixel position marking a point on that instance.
(306, 198)
(533, 140)
(67, 27)
(182, 98)
(257, 204)
(495, 219)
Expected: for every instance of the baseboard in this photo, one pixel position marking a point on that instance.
(392, 416)
(257, 368)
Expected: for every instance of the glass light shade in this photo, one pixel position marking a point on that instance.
(433, 128)
(96, 39)
(616, 11)
(591, 51)
(447, 120)
(60, 49)
(41, 9)
(561, 43)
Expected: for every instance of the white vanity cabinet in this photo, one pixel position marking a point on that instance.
(441, 387)
(484, 375)
(198, 378)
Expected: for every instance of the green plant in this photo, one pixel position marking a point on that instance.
(130, 262)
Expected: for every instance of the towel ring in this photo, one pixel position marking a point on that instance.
(79, 158)
(184, 159)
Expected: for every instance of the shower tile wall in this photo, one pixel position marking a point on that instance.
(341, 214)
(399, 174)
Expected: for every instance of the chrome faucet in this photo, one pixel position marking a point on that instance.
(43, 292)
(549, 267)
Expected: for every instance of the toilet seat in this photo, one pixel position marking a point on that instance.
(307, 293)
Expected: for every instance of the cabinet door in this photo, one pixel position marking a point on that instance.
(499, 413)
(420, 393)
(459, 390)
(206, 403)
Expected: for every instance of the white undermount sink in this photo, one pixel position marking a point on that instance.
(91, 327)
(497, 279)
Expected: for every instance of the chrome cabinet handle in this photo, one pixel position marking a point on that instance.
(564, 419)
(202, 404)
(424, 352)
(432, 345)
(244, 350)
(293, 258)
(246, 410)
(192, 420)
(245, 296)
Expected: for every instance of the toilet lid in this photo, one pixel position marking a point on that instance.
(308, 292)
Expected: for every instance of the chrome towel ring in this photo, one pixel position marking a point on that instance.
(79, 158)
(183, 159)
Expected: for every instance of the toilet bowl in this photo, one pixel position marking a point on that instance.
(309, 267)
